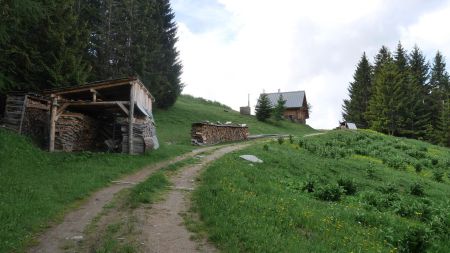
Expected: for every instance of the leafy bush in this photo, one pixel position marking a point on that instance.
(291, 139)
(438, 175)
(434, 161)
(416, 239)
(266, 147)
(417, 189)
(418, 167)
(388, 188)
(280, 140)
(309, 185)
(348, 185)
(330, 192)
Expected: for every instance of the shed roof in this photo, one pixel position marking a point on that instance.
(294, 99)
(351, 126)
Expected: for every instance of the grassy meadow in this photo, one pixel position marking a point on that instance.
(337, 192)
(37, 187)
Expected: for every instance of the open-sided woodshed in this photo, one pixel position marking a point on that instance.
(102, 115)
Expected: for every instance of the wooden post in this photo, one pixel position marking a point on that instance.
(51, 146)
(24, 107)
(131, 120)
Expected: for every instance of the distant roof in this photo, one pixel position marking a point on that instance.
(351, 126)
(294, 99)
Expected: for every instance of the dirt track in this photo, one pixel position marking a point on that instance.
(74, 222)
(161, 226)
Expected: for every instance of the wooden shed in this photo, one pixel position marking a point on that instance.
(97, 116)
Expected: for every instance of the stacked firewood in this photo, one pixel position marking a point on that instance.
(206, 133)
(75, 132)
(35, 125)
(144, 136)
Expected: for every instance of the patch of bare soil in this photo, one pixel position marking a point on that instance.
(75, 222)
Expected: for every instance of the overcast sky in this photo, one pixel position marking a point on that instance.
(231, 48)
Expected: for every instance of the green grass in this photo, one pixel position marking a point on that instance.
(37, 188)
(174, 124)
(332, 194)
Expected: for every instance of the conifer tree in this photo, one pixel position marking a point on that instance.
(382, 110)
(360, 91)
(279, 108)
(405, 101)
(444, 124)
(41, 45)
(419, 69)
(438, 85)
(263, 109)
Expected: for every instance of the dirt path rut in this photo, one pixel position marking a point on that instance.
(74, 223)
(161, 226)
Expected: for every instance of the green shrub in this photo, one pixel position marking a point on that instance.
(417, 189)
(416, 239)
(418, 167)
(388, 188)
(280, 140)
(309, 185)
(291, 139)
(438, 175)
(348, 185)
(266, 147)
(434, 161)
(330, 192)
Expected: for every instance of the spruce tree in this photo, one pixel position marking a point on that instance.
(419, 69)
(382, 109)
(279, 108)
(41, 45)
(405, 102)
(438, 85)
(444, 124)
(263, 109)
(360, 91)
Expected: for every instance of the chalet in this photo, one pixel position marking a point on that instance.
(296, 106)
(113, 115)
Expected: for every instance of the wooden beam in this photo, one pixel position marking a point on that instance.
(24, 107)
(51, 146)
(88, 88)
(77, 103)
(60, 111)
(94, 95)
(124, 109)
(131, 120)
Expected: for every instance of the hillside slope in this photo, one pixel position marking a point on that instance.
(36, 187)
(174, 124)
(362, 191)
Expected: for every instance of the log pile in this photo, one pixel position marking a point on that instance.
(206, 133)
(144, 136)
(75, 132)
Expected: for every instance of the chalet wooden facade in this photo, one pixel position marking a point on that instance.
(296, 106)
(113, 115)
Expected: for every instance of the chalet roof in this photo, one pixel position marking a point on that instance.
(294, 99)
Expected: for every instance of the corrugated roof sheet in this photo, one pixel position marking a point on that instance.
(294, 99)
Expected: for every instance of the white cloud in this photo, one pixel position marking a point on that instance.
(248, 46)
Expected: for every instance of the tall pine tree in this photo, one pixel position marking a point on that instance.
(136, 37)
(419, 69)
(382, 111)
(438, 86)
(41, 45)
(360, 91)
